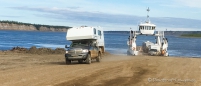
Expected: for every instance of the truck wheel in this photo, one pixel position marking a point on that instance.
(88, 60)
(98, 58)
(68, 61)
(80, 61)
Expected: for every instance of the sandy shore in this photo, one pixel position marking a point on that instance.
(23, 69)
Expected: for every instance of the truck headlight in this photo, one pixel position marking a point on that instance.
(84, 51)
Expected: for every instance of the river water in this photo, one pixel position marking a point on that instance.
(115, 43)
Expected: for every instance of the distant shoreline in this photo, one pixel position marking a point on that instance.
(14, 25)
(188, 37)
(32, 30)
(192, 35)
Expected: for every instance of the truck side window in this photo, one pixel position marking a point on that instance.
(91, 48)
(99, 32)
(94, 30)
(96, 48)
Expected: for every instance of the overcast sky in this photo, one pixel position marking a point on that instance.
(110, 14)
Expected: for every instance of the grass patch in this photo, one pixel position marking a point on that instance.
(191, 35)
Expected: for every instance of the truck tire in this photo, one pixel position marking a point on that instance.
(80, 61)
(88, 60)
(98, 57)
(68, 61)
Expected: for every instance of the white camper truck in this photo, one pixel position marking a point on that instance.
(87, 44)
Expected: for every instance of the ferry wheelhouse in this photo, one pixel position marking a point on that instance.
(147, 28)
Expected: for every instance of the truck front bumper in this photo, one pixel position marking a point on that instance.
(82, 56)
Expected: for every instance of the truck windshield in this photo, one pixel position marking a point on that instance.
(155, 50)
(80, 44)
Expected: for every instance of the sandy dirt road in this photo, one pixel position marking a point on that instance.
(17, 69)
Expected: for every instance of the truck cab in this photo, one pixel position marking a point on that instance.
(82, 50)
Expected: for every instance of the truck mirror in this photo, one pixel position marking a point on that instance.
(94, 44)
(67, 46)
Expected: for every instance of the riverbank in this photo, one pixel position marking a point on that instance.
(22, 68)
(14, 25)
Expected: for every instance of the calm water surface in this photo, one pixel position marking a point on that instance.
(114, 42)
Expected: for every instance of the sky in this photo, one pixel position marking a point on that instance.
(111, 15)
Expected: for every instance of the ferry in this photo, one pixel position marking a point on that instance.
(158, 48)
